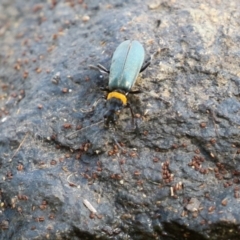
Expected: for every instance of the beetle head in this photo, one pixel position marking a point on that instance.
(114, 107)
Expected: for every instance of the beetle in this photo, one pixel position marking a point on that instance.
(127, 62)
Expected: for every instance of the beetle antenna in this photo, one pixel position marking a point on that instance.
(74, 134)
(115, 140)
(93, 106)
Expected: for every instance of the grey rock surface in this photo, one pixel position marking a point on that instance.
(64, 175)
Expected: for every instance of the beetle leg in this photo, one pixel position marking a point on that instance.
(129, 106)
(145, 65)
(102, 68)
(106, 89)
(135, 92)
(148, 62)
